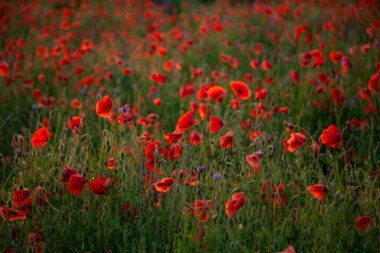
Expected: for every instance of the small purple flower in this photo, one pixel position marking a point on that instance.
(216, 176)
(35, 107)
(202, 168)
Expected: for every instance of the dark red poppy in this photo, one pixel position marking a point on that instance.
(331, 137)
(363, 222)
(11, 214)
(164, 184)
(66, 174)
(195, 138)
(76, 184)
(21, 200)
(41, 137)
(233, 205)
(215, 124)
(319, 191)
(185, 121)
(100, 185)
(240, 89)
(103, 107)
(227, 140)
(124, 118)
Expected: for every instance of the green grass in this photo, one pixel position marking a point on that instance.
(94, 223)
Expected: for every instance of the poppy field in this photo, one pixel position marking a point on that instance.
(189, 126)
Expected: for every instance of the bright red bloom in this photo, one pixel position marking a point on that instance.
(295, 141)
(295, 77)
(331, 137)
(240, 89)
(289, 249)
(233, 205)
(261, 94)
(103, 107)
(100, 185)
(216, 93)
(173, 137)
(76, 184)
(74, 124)
(373, 83)
(363, 222)
(319, 191)
(151, 149)
(164, 184)
(41, 137)
(185, 121)
(215, 124)
(227, 140)
(11, 214)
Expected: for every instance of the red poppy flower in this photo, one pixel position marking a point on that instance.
(195, 138)
(185, 121)
(103, 107)
(261, 94)
(240, 89)
(11, 214)
(21, 199)
(373, 83)
(216, 93)
(124, 118)
(254, 134)
(215, 124)
(76, 184)
(331, 137)
(338, 95)
(74, 124)
(289, 249)
(363, 222)
(319, 191)
(151, 149)
(233, 205)
(227, 140)
(254, 160)
(201, 208)
(164, 184)
(173, 137)
(295, 141)
(41, 137)
(111, 163)
(295, 77)
(203, 111)
(100, 185)
(174, 152)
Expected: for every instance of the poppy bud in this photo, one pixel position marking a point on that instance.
(349, 126)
